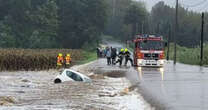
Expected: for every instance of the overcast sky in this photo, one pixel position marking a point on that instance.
(195, 5)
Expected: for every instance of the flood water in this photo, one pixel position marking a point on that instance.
(177, 87)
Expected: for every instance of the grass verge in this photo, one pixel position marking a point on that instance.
(189, 55)
(88, 56)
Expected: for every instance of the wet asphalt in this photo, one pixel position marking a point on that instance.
(173, 87)
(179, 87)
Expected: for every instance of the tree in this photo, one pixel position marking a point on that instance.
(6, 39)
(116, 27)
(81, 21)
(189, 24)
(135, 16)
(24, 17)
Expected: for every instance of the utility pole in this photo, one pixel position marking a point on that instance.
(127, 44)
(114, 8)
(137, 29)
(142, 27)
(202, 39)
(176, 31)
(169, 34)
(158, 28)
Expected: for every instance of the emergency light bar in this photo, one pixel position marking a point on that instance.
(140, 38)
(148, 36)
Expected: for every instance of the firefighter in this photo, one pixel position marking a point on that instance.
(127, 57)
(67, 60)
(120, 56)
(60, 60)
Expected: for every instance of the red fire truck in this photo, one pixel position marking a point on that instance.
(149, 51)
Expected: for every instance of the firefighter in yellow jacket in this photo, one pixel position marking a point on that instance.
(60, 60)
(67, 60)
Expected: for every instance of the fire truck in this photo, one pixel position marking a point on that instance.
(149, 51)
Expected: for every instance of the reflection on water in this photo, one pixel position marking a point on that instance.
(153, 71)
(162, 73)
(201, 69)
(179, 86)
(140, 72)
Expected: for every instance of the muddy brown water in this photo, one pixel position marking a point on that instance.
(177, 87)
(36, 90)
(30, 90)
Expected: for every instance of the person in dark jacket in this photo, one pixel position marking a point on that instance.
(113, 56)
(127, 57)
(98, 52)
(108, 56)
(120, 56)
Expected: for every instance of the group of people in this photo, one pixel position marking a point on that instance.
(61, 60)
(111, 54)
(101, 52)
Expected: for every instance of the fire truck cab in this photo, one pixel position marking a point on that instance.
(149, 51)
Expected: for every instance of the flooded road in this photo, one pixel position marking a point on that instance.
(177, 87)
(35, 90)
(172, 87)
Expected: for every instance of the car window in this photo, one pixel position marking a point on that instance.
(73, 76)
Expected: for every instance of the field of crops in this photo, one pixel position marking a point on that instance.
(34, 59)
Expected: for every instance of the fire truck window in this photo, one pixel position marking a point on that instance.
(151, 45)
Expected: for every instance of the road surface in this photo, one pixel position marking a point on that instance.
(180, 87)
(177, 87)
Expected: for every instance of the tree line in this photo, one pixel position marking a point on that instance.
(160, 21)
(80, 23)
(51, 23)
(163, 20)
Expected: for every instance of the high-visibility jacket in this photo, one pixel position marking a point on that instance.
(68, 60)
(60, 60)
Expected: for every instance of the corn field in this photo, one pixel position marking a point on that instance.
(33, 59)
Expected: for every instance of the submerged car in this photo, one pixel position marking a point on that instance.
(71, 75)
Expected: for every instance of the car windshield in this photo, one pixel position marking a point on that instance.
(73, 76)
(151, 45)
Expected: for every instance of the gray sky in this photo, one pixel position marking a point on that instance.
(195, 5)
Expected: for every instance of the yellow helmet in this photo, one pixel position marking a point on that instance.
(68, 55)
(60, 54)
(122, 50)
(126, 49)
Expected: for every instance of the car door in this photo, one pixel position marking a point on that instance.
(64, 77)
